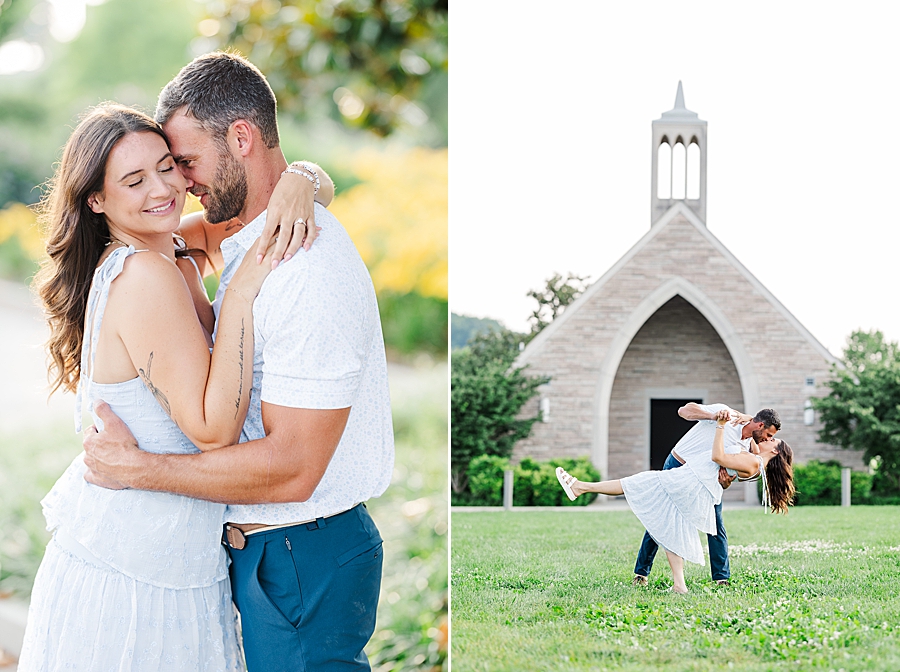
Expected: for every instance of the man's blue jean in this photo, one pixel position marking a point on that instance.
(718, 543)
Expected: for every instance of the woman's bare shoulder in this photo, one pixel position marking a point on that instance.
(149, 272)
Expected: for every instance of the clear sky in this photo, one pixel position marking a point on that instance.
(551, 105)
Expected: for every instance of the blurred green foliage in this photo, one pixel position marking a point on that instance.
(12, 13)
(108, 60)
(379, 65)
(414, 323)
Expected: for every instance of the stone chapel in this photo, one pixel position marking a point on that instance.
(677, 319)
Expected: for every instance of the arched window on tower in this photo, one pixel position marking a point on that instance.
(664, 170)
(679, 163)
(693, 170)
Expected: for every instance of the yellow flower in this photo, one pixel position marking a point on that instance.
(397, 217)
(19, 221)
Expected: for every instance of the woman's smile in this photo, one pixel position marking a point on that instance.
(164, 209)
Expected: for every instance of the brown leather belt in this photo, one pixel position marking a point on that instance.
(677, 457)
(236, 533)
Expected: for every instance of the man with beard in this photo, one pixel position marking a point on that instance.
(317, 442)
(740, 434)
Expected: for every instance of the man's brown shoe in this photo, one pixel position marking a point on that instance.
(723, 582)
(639, 580)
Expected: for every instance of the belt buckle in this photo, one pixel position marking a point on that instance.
(235, 538)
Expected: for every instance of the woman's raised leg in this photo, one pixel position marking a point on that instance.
(576, 487)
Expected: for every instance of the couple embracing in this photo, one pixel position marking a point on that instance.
(266, 413)
(686, 496)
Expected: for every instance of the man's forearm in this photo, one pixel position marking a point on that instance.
(693, 411)
(255, 472)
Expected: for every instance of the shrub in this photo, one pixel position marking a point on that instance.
(819, 484)
(486, 480)
(534, 483)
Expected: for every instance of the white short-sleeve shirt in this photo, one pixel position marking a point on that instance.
(318, 344)
(699, 439)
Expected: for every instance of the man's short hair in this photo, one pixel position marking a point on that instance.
(769, 417)
(217, 89)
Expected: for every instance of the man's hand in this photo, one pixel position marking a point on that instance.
(725, 479)
(722, 417)
(110, 455)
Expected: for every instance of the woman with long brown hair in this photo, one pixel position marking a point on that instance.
(675, 504)
(136, 580)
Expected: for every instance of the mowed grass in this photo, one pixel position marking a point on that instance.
(818, 589)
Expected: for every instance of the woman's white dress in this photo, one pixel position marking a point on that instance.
(673, 505)
(132, 580)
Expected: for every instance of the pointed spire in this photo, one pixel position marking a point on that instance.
(679, 98)
(680, 112)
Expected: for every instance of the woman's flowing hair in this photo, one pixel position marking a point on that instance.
(75, 234)
(780, 479)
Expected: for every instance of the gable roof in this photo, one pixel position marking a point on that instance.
(679, 208)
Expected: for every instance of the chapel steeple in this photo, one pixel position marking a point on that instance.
(679, 161)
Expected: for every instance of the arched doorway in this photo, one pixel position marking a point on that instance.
(675, 357)
(640, 315)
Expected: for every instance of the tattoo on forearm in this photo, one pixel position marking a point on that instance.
(154, 390)
(237, 403)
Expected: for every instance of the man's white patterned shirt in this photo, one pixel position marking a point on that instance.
(318, 345)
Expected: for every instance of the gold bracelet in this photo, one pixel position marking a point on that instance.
(232, 289)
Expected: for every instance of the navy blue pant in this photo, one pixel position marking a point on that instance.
(718, 543)
(308, 594)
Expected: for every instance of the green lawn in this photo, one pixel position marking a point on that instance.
(818, 589)
(412, 516)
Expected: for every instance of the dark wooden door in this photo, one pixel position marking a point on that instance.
(666, 428)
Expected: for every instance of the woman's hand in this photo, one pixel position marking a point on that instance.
(722, 418)
(250, 275)
(291, 214)
(741, 419)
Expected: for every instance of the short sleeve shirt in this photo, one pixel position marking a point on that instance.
(697, 443)
(318, 345)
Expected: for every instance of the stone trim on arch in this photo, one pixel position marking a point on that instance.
(676, 286)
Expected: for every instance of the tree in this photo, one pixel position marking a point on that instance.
(487, 396)
(553, 299)
(862, 409)
(373, 64)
